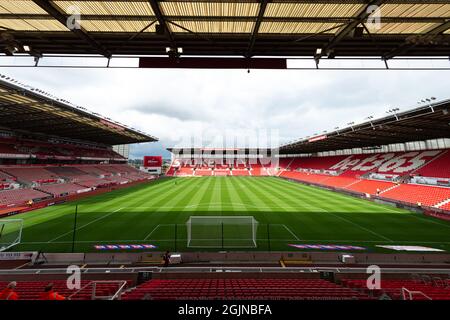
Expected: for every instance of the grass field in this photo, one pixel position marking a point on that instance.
(287, 213)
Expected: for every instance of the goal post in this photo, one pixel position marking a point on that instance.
(10, 233)
(221, 232)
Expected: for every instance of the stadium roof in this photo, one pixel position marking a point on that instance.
(419, 124)
(26, 108)
(227, 27)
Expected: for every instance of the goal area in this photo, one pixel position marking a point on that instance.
(10, 233)
(221, 232)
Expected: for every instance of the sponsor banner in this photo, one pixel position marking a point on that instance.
(124, 246)
(318, 138)
(26, 255)
(411, 248)
(326, 247)
(152, 161)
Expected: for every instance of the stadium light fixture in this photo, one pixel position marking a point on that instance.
(26, 48)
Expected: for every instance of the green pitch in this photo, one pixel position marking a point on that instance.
(287, 213)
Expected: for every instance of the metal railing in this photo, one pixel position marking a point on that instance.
(116, 296)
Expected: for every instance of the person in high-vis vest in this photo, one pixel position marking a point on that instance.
(49, 294)
(8, 293)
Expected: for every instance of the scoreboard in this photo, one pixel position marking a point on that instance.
(152, 164)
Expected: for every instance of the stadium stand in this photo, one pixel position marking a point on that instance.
(62, 189)
(32, 290)
(385, 175)
(438, 168)
(67, 154)
(19, 197)
(426, 195)
(393, 288)
(242, 289)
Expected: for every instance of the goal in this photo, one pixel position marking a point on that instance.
(10, 233)
(221, 232)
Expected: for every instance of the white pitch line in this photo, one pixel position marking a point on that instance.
(154, 229)
(85, 225)
(363, 228)
(427, 220)
(290, 231)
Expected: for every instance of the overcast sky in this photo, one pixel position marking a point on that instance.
(175, 105)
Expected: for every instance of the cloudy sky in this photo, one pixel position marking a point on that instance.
(204, 107)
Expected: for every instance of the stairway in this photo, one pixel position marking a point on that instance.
(389, 189)
(442, 203)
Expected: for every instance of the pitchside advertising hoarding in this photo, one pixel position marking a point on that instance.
(152, 164)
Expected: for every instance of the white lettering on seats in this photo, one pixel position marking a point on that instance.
(413, 160)
(418, 161)
(373, 162)
(345, 164)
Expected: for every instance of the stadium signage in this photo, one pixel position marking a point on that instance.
(318, 138)
(26, 255)
(326, 247)
(387, 162)
(152, 161)
(124, 246)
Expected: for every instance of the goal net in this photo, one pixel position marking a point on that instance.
(10, 233)
(221, 232)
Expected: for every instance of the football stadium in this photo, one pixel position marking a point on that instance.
(359, 212)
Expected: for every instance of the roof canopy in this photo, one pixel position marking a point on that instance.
(423, 123)
(35, 111)
(228, 27)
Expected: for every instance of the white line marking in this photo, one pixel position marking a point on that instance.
(290, 231)
(85, 225)
(154, 229)
(361, 227)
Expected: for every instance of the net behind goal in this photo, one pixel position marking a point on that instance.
(10, 233)
(221, 232)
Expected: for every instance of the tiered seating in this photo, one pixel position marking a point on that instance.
(393, 288)
(289, 289)
(304, 176)
(445, 206)
(340, 182)
(6, 177)
(79, 177)
(370, 186)
(203, 172)
(258, 170)
(426, 195)
(32, 174)
(318, 163)
(438, 168)
(31, 290)
(61, 189)
(184, 171)
(95, 171)
(222, 172)
(20, 196)
(240, 172)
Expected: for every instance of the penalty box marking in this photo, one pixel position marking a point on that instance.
(85, 225)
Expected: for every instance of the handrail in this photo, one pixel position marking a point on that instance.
(95, 282)
(223, 268)
(410, 294)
